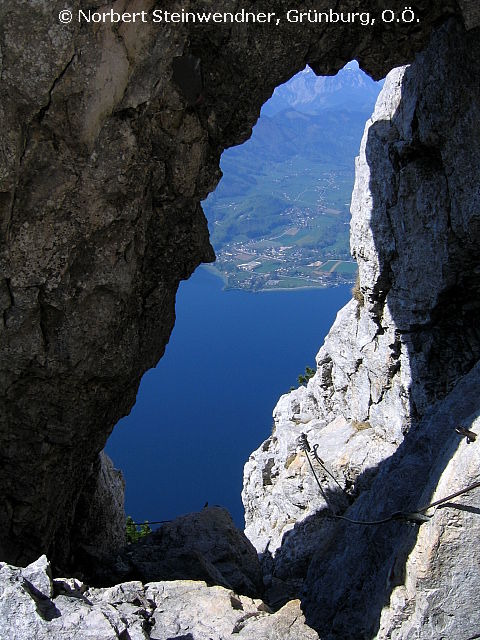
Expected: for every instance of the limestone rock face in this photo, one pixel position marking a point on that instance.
(439, 593)
(202, 546)
(32, 605)
(422, 571)
(396, 375)
(105, 155)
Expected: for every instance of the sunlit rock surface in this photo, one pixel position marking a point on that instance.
(32, 605)
(394, 378)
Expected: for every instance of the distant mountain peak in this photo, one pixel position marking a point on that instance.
(353, 64)
(349, 89)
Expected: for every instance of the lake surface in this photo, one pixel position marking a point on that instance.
(208, 404)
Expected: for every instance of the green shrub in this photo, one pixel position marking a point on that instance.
(303, 378)
(134, 532)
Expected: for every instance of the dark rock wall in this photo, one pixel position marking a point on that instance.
(99, 514)
(104, 159)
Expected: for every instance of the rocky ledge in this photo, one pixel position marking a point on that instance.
(199, 546)
(32, 605)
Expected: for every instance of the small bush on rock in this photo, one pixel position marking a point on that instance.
(303, 378)
(135, 532)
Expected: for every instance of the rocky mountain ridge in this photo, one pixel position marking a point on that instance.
(350, 89)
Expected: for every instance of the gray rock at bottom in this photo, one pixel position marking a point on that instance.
(33, 606)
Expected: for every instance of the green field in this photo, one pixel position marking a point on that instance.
(284, 201)
(349, 268)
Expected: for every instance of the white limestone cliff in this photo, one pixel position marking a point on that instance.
(356, 405)
(394, 377)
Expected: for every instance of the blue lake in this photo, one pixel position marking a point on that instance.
(208, 404)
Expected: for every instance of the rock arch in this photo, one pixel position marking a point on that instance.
(104, 160)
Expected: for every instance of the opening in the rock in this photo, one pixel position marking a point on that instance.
(279, 223)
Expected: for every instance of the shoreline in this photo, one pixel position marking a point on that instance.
(215, 272)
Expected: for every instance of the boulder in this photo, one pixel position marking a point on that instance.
(184, 609)
(204, 546)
